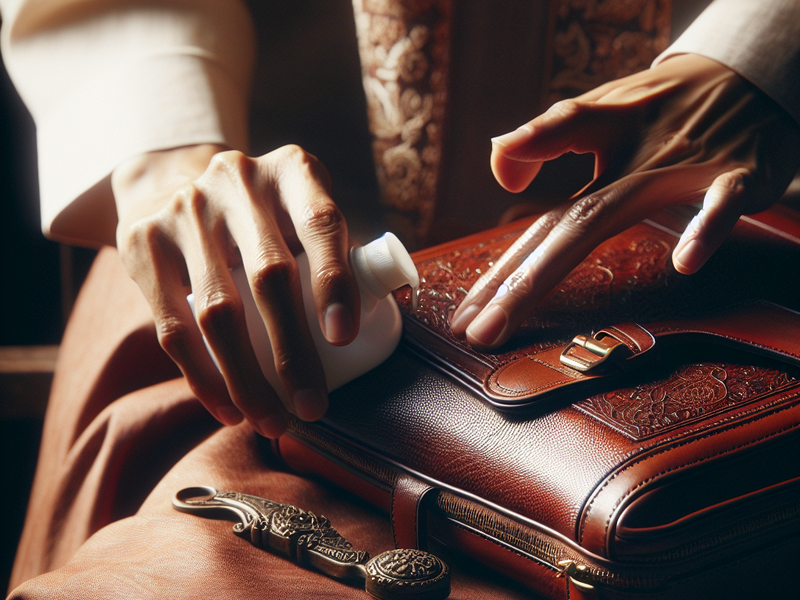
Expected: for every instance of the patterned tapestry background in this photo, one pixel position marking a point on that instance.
(595, 41)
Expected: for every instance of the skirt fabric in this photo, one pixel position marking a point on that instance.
(123, 433)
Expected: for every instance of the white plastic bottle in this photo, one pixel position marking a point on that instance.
(379, 267)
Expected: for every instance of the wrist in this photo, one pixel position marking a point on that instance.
(146, 177)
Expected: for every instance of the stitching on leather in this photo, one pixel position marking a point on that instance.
(705, 458)
(494, 384)
(675, 467)
(492, 379)
(741, 340)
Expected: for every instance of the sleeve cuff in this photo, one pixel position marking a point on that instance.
(158, 103)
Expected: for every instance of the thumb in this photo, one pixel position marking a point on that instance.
(723, 204)
(568, 126)
(511, 171)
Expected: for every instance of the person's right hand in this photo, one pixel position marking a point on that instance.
(187, 216)
(689, 129)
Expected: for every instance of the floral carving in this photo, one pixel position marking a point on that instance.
(404, 49)
(692, 393)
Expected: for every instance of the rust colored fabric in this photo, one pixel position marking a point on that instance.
(123, 433)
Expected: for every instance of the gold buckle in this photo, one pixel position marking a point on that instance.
(599, 348)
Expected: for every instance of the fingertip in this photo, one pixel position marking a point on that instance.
(689, 257)
(339, 326)
(310, 404)
(488, 328)
(513, 175)
(462, 318)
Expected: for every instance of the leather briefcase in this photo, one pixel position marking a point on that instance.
(667, 467)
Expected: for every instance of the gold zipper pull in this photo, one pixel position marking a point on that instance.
(578, 574)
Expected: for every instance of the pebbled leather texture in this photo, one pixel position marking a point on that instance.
(686, 455)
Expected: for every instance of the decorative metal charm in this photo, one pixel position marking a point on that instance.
(311, 541)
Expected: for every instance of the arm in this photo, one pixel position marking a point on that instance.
(688, 129)
(141, 119)
(100, 82)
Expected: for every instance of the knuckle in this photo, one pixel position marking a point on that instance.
(568, 109)
(303, 162)
(286, 365)
(143, 234)
(188, 198)
(232, 164)
(276, 274)
(144, 238)
(330, 275)
(173, 335)
(734, 182)
(220, 310)
(295, 154)
(546, 223)
(519, 284)
(585, 212)
(323, 219)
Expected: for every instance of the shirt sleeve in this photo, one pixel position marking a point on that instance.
(759, 39)
(105, 81)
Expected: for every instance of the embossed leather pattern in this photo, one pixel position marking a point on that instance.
(674, 475)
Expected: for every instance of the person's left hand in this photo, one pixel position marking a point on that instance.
(687, 129)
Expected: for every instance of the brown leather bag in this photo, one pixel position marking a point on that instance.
(667, 468)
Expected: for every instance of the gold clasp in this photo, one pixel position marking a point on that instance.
(600, 350)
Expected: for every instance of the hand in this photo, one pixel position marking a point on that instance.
(190, 214)
(687, 129)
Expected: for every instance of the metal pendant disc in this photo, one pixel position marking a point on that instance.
(407, 574)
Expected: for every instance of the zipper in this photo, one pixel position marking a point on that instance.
(565, 560)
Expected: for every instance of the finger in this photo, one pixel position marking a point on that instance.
(724, 203)
(585, 224)
(486, 287)
(219, 312)
(304, 187)
(568, 126)
(155, 264)
(274, 280)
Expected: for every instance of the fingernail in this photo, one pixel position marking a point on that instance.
(272, 426)
(309, 404)
(691, 257)
(459, 324)
(229, 415)
(488, 326)
(338, 323)
(514, 137)
(689, 254)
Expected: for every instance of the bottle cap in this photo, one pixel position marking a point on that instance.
(384, 265)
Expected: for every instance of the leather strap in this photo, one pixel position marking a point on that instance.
(759, 327)
(409, 527)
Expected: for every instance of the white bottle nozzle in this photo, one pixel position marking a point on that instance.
(384, 265)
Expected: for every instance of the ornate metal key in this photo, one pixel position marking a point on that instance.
(311, 541)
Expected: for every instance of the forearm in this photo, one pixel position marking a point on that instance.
(104, 85)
